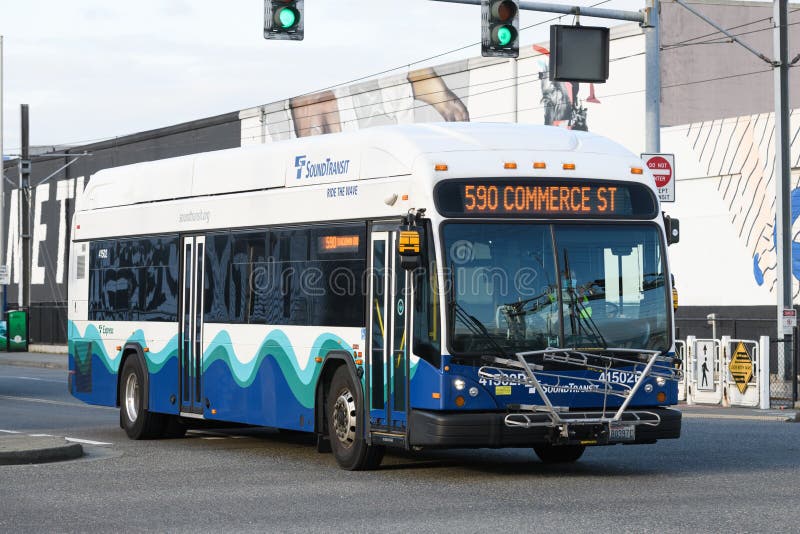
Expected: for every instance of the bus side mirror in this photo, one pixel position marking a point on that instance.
(673, 229)
(409, 247)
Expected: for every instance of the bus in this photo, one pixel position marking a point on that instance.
(454, 285)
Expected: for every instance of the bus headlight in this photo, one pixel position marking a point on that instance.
(660, 380)
(459, 384)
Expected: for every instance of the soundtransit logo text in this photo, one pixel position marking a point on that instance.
(328, 167)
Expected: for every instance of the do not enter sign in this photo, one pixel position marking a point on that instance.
(663, 168)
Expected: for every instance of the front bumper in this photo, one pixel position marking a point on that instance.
(488, 429)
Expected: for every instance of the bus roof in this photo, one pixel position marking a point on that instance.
(378, 152)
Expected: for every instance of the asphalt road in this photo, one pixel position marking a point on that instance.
(722, 475)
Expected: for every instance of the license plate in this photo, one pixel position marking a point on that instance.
(621, 432)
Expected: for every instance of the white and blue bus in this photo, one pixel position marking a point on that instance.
(423, 286)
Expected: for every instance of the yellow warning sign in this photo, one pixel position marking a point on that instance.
(741, 367)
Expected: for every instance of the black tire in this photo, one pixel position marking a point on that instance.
(137, 422)
(559, 454)
(345, 420)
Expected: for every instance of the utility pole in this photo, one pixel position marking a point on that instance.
(24, 204)
(3, 294)
(783, 207)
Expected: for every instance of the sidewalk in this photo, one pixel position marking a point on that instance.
(706, 411)
(34, 359)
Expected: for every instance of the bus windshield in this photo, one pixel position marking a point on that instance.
(506, 297)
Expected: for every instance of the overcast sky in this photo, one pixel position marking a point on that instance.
(94, 69)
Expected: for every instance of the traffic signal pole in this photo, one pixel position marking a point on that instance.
(648, 19)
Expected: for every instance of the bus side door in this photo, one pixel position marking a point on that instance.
(387, 361)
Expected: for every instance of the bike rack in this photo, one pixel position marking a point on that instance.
(642, 364)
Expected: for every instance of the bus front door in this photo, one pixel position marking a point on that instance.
(388, 340)
(191, 326)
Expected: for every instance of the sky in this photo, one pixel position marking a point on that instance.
(96, 69)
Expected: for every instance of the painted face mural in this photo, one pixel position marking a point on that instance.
(562, 106)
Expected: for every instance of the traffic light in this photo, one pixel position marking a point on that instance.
(283, 19)
(500, 28)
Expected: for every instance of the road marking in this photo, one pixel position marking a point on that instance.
(59, 403)
(213, 437)
(10, 431)
(37, 379)
(87, 441)
(41, 435)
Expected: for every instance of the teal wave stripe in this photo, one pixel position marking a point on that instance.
(277, 345)
(155, 360)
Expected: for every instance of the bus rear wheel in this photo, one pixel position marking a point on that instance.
(559, 454)
(345, 418)
(138, 422)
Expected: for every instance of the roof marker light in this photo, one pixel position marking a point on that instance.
(510, 165)
(539, 165)
(636, 170)
(568, 166)
(440, 167)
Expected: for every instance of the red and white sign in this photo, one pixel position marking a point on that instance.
(663, 168)
(789, 320)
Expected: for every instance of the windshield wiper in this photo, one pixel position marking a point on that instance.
(477, 328)
(578, 311)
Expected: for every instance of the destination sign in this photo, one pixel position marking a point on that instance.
(537, 198)
(338, 243)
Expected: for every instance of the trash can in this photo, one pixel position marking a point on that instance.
(3, 336)
(17, 321)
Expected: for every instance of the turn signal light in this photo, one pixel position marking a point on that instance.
(460, 401)
(661, 397)
(318, 359)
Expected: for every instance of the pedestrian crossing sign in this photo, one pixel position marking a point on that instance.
(741, 367)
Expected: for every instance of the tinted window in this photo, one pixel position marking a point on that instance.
(134, 279)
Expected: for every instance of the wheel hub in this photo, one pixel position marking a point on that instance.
(344, 418)
(132, 397)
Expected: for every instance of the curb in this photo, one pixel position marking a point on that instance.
(780, 418)
(35, 363)
(20, 450)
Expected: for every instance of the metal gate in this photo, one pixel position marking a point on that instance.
(743, 377)
(704, 382)
(680, 353)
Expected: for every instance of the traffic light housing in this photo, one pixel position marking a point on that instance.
(283, 19)
(500, 28)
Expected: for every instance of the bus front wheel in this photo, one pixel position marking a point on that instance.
(559, 454)
(345, 426)
(138, 422)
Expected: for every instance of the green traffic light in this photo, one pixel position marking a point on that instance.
(504, 36)
(286, 18)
